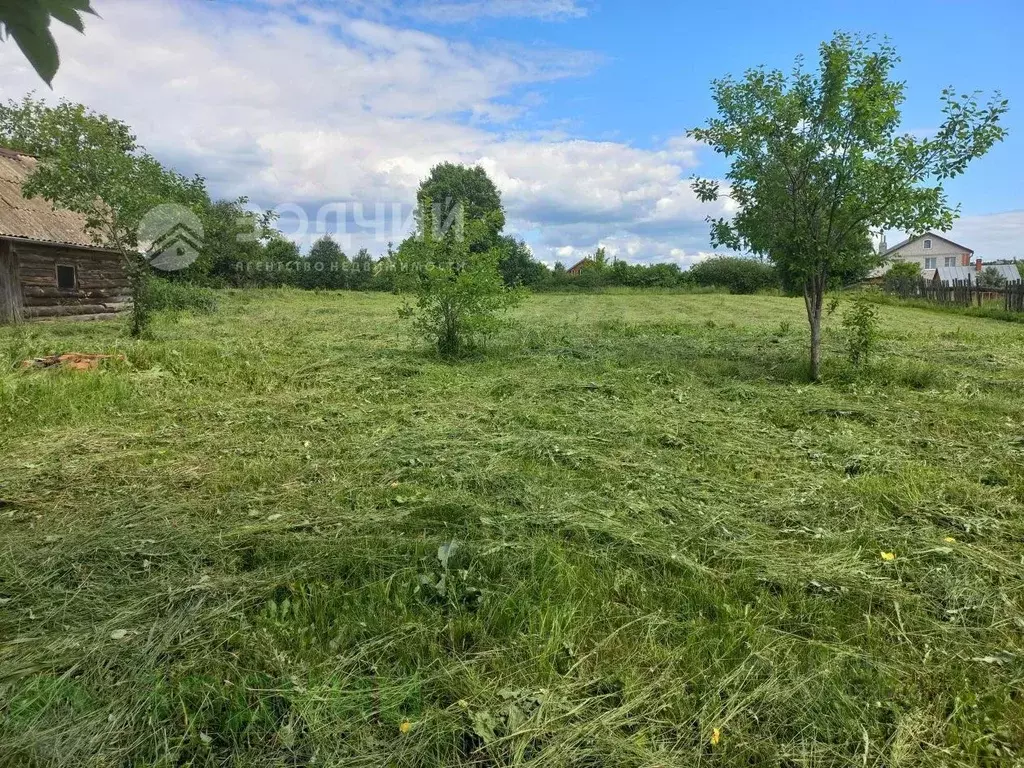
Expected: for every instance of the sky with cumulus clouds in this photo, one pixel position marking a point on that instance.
(577, 109)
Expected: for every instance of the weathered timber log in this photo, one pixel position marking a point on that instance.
(11, 300)
(49, 292)
(70, 309)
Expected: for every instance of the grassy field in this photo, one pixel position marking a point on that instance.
(629, 535)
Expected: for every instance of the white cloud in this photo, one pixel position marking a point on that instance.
(992, 236)
(462, 11)
(468, 10)
(303, 103)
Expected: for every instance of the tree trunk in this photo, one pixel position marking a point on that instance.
(814, 298)
(11, 298)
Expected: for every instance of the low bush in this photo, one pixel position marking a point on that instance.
(172, 295)
(902, 278)
(861, 325)
(739, 275)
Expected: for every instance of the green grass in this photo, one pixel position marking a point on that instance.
(229, 551)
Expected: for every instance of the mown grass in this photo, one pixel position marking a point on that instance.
(650, 528)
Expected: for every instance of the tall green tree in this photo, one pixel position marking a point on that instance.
(361, 272)
(234, 240)
(517, 265)
(28, 22)
(280, 261)
(93, 165)
(326, 266)
(817, 162)
(454, 189)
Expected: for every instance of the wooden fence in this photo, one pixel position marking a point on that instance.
(961, 293)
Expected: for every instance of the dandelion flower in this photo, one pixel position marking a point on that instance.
(949, 540)
(716, 736)
(888, 556)
(405, 727)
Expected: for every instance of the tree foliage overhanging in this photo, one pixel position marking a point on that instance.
(28, 22)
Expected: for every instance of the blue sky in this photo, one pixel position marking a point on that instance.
(332, 111)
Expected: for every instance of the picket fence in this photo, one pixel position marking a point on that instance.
(962, 293)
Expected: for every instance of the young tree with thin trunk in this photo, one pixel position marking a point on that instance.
(818, 163)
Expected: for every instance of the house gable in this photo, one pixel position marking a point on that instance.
(930, 251)
(576, 268)
(914, 246)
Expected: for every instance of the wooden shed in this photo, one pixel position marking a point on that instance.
(50, 265)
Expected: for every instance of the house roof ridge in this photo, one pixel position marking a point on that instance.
(926, 233)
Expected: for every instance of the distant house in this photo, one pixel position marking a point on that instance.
(49, 264)
(579, 266)
(929, 251)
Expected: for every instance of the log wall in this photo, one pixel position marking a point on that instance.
(102, 284)
(11, 301)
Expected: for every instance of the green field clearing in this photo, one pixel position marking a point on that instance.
(230, 550)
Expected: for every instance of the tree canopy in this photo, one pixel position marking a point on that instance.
(451, 184)
(818, 162)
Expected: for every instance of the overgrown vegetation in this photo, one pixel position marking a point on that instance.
(902, 278)
(860, 322)
(738, 275)
(990, 277)
(180, 296)
(629, 536)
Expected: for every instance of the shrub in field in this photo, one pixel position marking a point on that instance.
(736, 274)
(861, 325)
(169, 294)
(460, 292)
(902, 278)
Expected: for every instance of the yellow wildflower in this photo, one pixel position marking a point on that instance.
(405, 727)
(716, 736)
(888, 556)
(949, 540)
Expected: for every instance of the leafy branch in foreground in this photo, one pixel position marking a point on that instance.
(817, 164)
(28, 22)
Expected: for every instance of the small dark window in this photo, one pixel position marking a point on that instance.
(67, 280)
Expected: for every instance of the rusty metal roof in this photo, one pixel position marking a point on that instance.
(34, 219)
